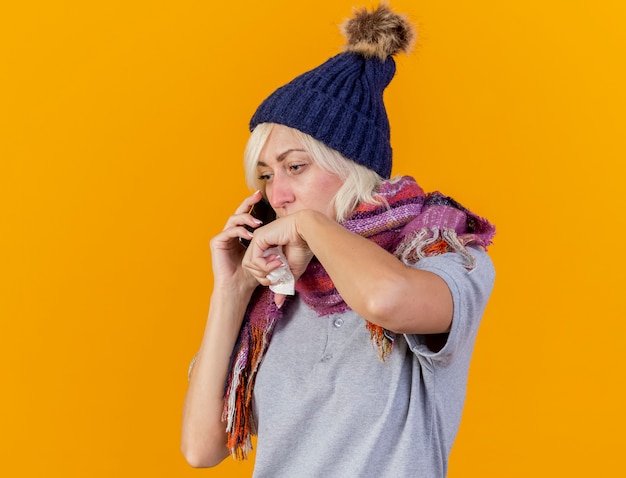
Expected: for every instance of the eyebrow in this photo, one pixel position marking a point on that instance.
(282, 156)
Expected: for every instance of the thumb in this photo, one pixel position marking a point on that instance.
(279, 300)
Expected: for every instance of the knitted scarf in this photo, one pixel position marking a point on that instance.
(409, 224)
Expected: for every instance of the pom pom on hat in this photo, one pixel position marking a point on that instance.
(380, 33)
(340, 103)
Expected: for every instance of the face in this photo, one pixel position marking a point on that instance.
(293, 180)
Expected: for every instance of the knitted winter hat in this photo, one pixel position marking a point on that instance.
(340, 103)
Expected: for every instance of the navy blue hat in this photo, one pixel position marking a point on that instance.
(340, 103)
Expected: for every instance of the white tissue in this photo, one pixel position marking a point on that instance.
(282, 280)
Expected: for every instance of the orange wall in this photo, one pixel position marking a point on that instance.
(122, 126)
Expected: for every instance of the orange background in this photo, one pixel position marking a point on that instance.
(122, 127)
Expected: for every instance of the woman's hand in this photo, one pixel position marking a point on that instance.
(227, 252)
(281, 232)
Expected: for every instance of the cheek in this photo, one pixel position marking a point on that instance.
(326, 191)
(330, 186)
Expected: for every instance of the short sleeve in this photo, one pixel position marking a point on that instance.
(470, 291)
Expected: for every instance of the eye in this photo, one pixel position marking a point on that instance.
(264, 177)
(296, 168)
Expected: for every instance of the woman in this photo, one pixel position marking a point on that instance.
(374, 261)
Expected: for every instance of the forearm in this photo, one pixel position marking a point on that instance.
(375, 283)
(203, 435)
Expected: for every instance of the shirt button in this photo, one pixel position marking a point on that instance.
(338, 322)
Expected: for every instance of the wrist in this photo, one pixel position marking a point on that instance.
(309, 222)
(235, 290)
(239, 285)
(228, 306)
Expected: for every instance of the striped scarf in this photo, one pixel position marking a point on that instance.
(409, 224)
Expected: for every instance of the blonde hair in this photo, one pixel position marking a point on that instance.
(359, 183)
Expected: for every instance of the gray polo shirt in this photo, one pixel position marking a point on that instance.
(327, 407)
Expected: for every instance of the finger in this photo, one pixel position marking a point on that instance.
(227, 235)
(260, 266)
(237, 220)
(279, 300)
(248, 202)
(263, 266)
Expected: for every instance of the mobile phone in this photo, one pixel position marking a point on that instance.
(262, 211)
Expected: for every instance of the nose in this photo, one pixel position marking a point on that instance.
(279, 192)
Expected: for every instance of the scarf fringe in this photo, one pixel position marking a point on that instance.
(457, 246)
(228, 414)
(237, 424)
(382, 340)
(237, 413)
(430, 242)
